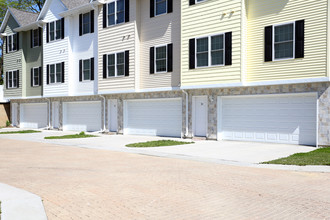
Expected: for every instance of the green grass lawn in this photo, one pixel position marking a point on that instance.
(72, 136)
(160, 143)
(20, 132)
(317, 157)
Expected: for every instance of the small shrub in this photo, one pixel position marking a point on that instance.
(82, 133)
(7, 123)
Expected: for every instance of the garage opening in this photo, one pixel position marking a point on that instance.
(33, 115)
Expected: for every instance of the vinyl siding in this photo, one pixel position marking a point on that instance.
(160, 30)
(209, 18)
(56, 52)
(272, 12)
(13, 60)
(111, 40)
(33, 58)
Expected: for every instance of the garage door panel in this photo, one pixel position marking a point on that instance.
(282, 119)
(154, 117)
(34, 115)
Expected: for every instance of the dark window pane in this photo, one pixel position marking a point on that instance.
(202, 59)
(217, 42)
(217, 57)
(284, 33)
(202, 44)
(160, 7)
(284, 50)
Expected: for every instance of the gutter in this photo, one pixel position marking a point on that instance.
(30, 26)
(187, 116)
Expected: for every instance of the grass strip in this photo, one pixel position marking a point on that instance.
(72, 136)
(160, 143)
(20, 132)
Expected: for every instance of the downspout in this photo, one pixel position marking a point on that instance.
(48, 128)
(187, 116)
(103, 112)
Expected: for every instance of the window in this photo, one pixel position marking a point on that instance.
(35, 77)
(55, 73)
(35, 38)
(160, 7)
(192, 2)
(12, 42)
(116, 12)
(12, 79)
(116, 64)
(55, 30)
(86, 23)
(161, 59)
(210, 51)
(284, 41)
(87, 69)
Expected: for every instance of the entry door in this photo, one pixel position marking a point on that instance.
(14, 114)
(200, 116)
(113, 119)
(55, 114)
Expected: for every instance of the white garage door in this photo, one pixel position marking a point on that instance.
(34, 115)
(287, 119)
(82, 116)
(161, 117)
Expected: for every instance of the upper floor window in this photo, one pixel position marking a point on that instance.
(116, 12)
(284, 41)
(86, 70)
(55, 73)
(86, 23)
(159, 7)
(12, 79)
(36, 76)
(116, 64)
(192, 2)
(55, 30)
(161, 59)
(12, 42)
(214, 50)
(36, 37)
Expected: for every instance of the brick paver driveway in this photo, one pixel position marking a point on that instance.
(77, 183)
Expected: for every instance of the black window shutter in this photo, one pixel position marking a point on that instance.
(6, 44)
(47, 74)
(47, 32)
(126, 10)
(152, 8)
(92, 21)
(191, 2)
(80, 70)
(63, 72)
(169, 6)
(17, 74)
(152, 60)
(105, 15)
(104, 66)
(62, 28)
(192, 53)
(268, 43)
(17, 41)
(40, 76)
(40, 36)
(31, 40)
(92, 68)
(31, 77)
(127, 63)
(300, 38)
(7, 80)
(228, 48)
(80, 24)
(170, 58)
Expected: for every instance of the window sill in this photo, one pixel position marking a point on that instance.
(12, 88)
(116, 25)
(283, 59)
(213, 66)
(36, 86)
(160, 15)
(55, 84)
(12, 51)
(115, 77)
(53, 41)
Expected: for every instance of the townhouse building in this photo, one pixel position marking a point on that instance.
(226, 70)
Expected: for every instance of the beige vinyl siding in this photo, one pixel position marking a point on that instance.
(13, 60)
(209, 18)
(159, 30)
(112, 40)
(272, 12)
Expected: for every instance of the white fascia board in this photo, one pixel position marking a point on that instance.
(79, 9)
(31, 26)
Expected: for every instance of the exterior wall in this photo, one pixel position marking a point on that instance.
(208, 18)
(33, 58)
(13, 61)
(160, 30)
(4, 113)
(83, 47)
(56, 52)
(272, 12)
(114, 39)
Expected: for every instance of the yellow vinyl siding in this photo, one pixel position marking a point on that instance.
(272, 12)
(209, 18)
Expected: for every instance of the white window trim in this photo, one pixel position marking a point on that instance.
(10, 47)
(115, 76)
(12, 79)
(34, 85)
(90, 70)
(56, 82)
(197, 2)
(90, 23)
(155, 59)
(55, 31)
(115, 1)
(34, 46)
(155, 10)
(294, 41)
(209, 51)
